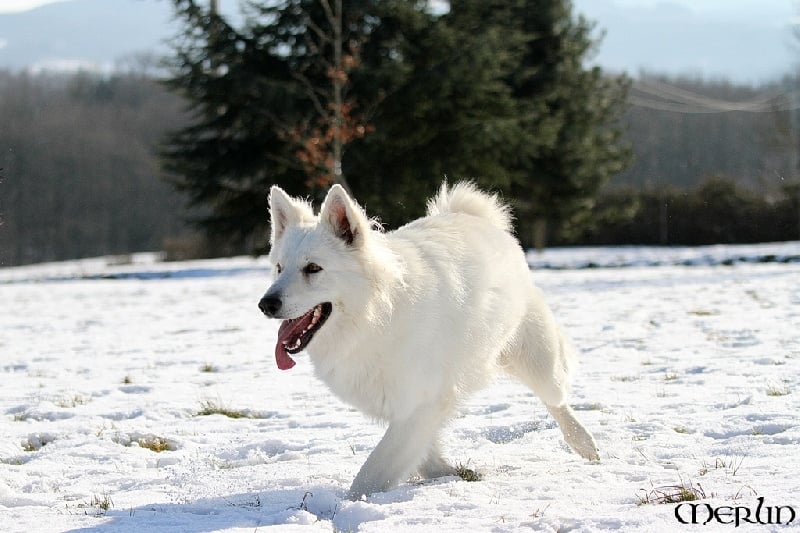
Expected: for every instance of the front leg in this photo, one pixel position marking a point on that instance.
(401, 450)
(435, 466)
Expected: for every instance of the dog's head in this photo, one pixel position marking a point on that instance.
(317, 266)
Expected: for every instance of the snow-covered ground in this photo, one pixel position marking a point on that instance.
(689, 376)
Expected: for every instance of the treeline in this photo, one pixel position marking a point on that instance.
(81, 174)
(718, 211)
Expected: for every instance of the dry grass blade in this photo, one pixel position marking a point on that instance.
(672, 494)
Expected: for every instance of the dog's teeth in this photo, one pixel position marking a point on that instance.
(315, 315)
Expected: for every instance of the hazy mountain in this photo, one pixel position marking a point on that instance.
(746, 41)
(743, 40)
(97, 32)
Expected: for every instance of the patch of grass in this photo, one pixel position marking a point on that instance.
(98, 504)
(127, 380)
(208, 368)
(73, 401)
(156, 444)
(681, 429)
(670, 377)
(672, 494)
(731, 465)
(210, 408)
(467, 474)
(703, 312)
(742, 491)
(538, 513)
(776, 391)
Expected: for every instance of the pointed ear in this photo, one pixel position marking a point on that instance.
(343, 217)
(286, 211)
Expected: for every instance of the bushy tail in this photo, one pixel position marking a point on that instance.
(465, 197)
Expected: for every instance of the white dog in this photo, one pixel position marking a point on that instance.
(403, 325)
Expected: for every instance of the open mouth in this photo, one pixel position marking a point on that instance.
(295, 333)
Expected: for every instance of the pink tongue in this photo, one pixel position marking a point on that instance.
(282, 358)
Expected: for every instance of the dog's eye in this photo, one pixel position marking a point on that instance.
(278, 268)
(312, 268)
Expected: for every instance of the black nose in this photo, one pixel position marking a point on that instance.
(270, 305)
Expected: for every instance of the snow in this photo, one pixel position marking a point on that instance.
(689, 375)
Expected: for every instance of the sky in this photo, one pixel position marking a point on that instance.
(13, 6)
(744, 8)
(747, 41)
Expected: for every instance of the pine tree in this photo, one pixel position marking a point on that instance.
(447, 111)
(230, 154)
(570, 113)
(269, 106)
(395, 98)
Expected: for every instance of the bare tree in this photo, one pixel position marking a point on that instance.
(321, 140)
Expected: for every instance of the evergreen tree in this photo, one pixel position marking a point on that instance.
(230, 154)
(262, 99)
(493, 90)
(446, 111)
(572, 143)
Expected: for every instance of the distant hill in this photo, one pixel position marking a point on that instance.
(90, 33)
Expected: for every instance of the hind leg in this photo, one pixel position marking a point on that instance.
(574, 433)
(541, 358)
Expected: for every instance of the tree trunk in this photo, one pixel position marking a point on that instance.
(663, 222)
(540, 234)
(338, 82)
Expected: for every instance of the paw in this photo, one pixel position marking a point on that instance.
(364, 486)
(436, 468)
(583, 444)
(355, 495)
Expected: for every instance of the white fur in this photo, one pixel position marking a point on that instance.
(422, 316)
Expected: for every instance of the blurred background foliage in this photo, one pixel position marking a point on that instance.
(388, 98)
